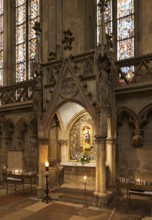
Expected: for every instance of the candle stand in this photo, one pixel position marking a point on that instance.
(85, 191)
(47, 198)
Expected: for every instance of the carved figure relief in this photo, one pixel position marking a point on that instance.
(68, 88)
(137, 139)
(87, 67)
(87, 137)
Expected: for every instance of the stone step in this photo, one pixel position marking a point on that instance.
(75, 196)
(80, 196)
(147, 218)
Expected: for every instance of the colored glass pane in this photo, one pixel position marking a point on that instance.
(125, 27)
(34, 9)
(32, 48)
(124, 8)
(21, 14)
(129, 73)
(21, 71)
(125, 49)
(21, 52)
(20, 34)
(20, 2)
(32, 31)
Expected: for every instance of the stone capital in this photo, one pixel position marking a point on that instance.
(111, 140)
(63, 141)
(43, 140)
(100, 138)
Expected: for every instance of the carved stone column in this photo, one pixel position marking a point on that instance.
(43, 157)
(63, 144)
(100, 166)
(111, 160)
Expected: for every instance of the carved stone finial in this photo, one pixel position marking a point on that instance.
(52, 55)
(37, 28)
(102, 4)
(68, 39)
(37, 54)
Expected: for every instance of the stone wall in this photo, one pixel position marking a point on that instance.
(144, 26)
(19, 134)
(134, 161)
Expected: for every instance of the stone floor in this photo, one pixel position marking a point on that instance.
(26, 206)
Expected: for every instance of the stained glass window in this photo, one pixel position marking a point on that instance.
(125, 29)
(1, 42)
(27, 12)
(124, 24)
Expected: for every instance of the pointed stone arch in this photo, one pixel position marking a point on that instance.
(8, 129)
(68, 88)
(130, 115)
(144, 114)
(20, 130)
(21, 127)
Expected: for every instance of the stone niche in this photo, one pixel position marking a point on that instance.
(82, 137)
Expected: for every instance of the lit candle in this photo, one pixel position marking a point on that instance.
(138, 181)
(47, 166)
(16, 171)
(85, 178)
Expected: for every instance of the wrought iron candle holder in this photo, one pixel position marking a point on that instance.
(47, 198)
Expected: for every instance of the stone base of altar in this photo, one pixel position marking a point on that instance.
(79, 196)
(74, 175)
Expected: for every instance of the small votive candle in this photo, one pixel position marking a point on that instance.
(137, 180)
(16, 171)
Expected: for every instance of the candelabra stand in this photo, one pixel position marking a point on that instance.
(47, 198)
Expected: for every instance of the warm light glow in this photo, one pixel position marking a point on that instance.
(138, 181)
(16, 171)
(46, 164)
(85, 178)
